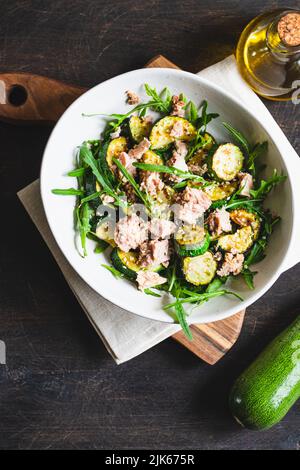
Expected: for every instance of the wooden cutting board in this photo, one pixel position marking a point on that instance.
(33, 99)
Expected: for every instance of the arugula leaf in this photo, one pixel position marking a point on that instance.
(248, 276)
(215, 284)
(89, 159)
(84, 214)
(68, 192)
(257, 252)
(133, 183)
(101, 246)
(78, 172)
(170, 170)
(158, 104)
(113, 270)
(181, 317)
(256, 152)
(90, 197)
(239, 137)
(150, 292)
(266, 185)
(192, 112)
(205, 118)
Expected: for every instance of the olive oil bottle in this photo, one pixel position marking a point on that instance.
(268, 54)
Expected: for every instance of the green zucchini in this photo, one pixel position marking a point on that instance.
(115, 147)
(218, 191)
(138, 129)
(104, 231)
(200, 270)
(191, 240)
(237, 242)
(244, 218)
(266, 391)
(127, 264)
(160, 137)
(226, 162)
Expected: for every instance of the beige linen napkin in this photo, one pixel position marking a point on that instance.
(126, 335)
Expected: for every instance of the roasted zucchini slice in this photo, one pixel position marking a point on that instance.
(200, 270)
(160, 135)
(218, 191)
(127, 264)
(191, 240)
(226, 162)
(237, 242)
(151, 158)
(138, 129)
(244, 218)
(116, 146)
(104, 231)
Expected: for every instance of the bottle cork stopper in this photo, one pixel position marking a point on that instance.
(289, 29)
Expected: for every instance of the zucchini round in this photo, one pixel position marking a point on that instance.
(244, 218)
(200, 270)
(138, 129)
(218, 191)
(127, 264)
(265, 392)
(160, 134)
(237, 242)
(115, 147)
(226, 162)
(152, 158)
(191, 240)
(104, 231)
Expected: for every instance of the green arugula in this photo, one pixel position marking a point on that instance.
(68, 192)
(267, 185)
(130, 178)
(170, 170)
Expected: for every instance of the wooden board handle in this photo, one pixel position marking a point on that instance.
(31, 99)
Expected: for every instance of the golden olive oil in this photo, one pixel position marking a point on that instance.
(268, 54)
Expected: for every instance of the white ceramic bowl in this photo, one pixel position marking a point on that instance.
(72, 129)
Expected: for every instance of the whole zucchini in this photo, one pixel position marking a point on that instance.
(265, 392)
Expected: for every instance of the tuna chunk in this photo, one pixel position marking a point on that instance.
(127, 161)
(132, 97)
(178, 160)
(161, 228)
(191, 204)
(151, 182)
(147, 279)
(177, 106)
(106, 199)
(177, 129)
(232, 264)
(154, 253)
(116, 133)
(130, 232)
(138, 151)
(219, 222)
(246, 183)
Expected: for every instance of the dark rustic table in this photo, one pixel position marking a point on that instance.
(60, 388)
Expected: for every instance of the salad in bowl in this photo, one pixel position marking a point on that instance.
(176, 210)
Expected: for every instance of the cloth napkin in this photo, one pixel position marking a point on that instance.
(126, 335)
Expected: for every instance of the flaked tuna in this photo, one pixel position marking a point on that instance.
(191, 204)
(246, 183)
(138, 151)
(232, 264)
(130, 232)
(132, 97)
(161, 228)
(147, 279)
(178, 160)
(219, 222)
(177, 129)
(151, 182)
(177, 106)
(154, 253)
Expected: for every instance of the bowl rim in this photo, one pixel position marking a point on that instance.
(119, 303)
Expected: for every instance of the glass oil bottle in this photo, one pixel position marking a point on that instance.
(268, 54)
